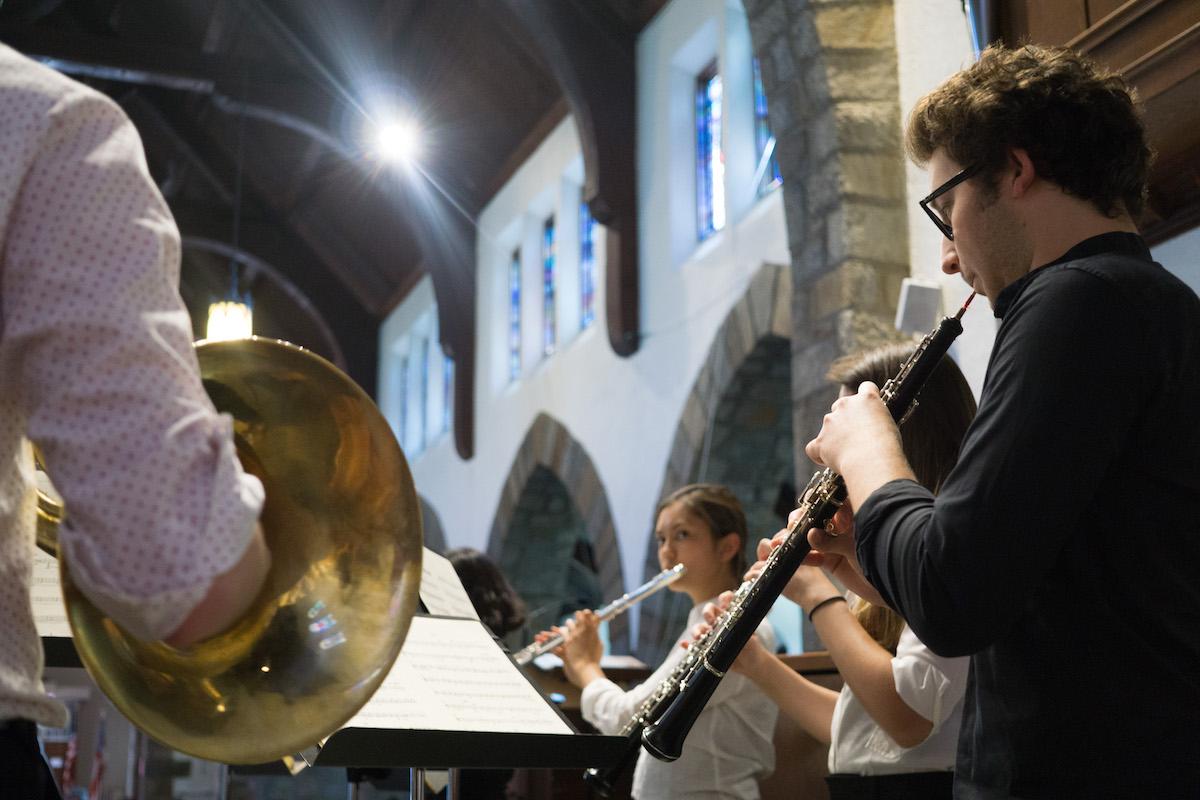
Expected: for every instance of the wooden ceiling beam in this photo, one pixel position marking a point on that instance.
(150, 63)
(591, 54)
(233, 90)
(154, 128)
(310, 259)
(447, 240)
(356, 333)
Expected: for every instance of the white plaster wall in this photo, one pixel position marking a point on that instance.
(932, 43)
(1181, 256)
(403, 333)
(623, 411)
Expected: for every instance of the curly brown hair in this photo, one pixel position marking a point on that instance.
(1077, 121)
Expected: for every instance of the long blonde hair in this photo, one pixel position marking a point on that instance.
(931, 437)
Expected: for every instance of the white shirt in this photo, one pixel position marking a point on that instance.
(730, 747)
(97, 368)
(933, 687)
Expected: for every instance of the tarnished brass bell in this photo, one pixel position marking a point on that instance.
(342, 522)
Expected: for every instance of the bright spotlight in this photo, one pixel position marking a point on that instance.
(398, 142)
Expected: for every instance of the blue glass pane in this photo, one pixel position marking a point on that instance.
(403, 426)
(710, 160)
(763, 138)
(587, 266)
(447, 393)
(514, 316)
(424, 398)
(548, 247)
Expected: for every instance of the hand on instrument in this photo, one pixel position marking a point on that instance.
(859, 440)
(837, 556)
(844, 569)
(753, 655)
(807, 586)
(825, 543)
(857, 426)
(581, 649)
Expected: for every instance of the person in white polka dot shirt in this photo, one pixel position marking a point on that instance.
(97, 368)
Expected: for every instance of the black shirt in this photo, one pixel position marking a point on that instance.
(1063, 552)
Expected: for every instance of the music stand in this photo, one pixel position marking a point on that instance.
(503, 720)
(495, 716)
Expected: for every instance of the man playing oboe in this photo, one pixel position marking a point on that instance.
(1063, 552)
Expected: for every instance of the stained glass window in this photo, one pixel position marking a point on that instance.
(424, 396)
(710, 160)
(767, 172)
(548, 257)
(587, 266)
(403, 426)
(514, 316)
(447, 392)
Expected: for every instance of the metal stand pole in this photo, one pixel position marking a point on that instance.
(452, 784)
(416, 783)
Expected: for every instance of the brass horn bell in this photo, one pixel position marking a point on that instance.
(342, 522)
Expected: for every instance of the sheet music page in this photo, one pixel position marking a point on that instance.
(441, 590)
(49, 613)
(451, 676)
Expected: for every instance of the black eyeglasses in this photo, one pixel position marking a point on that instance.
(944, 224)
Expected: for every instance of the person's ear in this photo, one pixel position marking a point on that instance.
(1023, 173)
(728, 546)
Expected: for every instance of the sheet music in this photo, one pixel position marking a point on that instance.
(452, 676)
(441, 590)
(49, 613)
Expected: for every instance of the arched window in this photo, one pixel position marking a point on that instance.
(710, 159)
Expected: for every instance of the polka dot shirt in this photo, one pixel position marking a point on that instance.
(97, 368)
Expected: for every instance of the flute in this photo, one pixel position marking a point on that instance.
(825, 493)
(659, 581)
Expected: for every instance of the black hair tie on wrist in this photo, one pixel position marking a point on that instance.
(824, 603)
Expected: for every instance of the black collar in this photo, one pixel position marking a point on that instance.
(1118, 242)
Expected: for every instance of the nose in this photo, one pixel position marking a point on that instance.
(950, 264)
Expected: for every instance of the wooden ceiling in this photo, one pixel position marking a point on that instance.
(255, 116)
(254, 112)
(1155, 44)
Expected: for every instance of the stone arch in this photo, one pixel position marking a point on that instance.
(549, 445)
(757, 327)
(431, 525)
(830, 74)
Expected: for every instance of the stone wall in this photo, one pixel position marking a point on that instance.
(549, 444)
(547, 556)
(829, 71)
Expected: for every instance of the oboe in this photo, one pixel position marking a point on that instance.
(822, 497)
(660, 581)
(601, 780)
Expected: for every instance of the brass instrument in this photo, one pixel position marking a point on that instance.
(660, 581)
(821, 499)
(343, 526)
